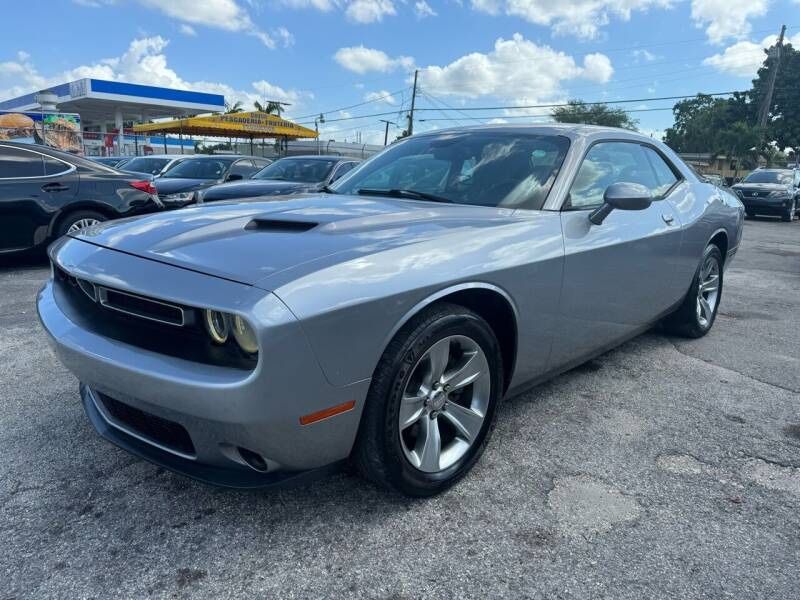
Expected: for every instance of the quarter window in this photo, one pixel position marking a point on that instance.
(665, 176)
(613, 162)
(54, 167)
(15, 162)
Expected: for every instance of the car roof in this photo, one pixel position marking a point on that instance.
(319, 157)
(571, 130)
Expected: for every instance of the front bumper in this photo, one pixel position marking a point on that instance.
(207, 473)
(222, 409)
(773, 206)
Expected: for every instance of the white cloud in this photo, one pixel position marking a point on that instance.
(641, 55)
(582, 18)
(227, 15)
(323, 5)
(726, 19)
(597, 67)
(143, 62)
(381, 96)
(743, 59)
(188, 30)
(362, 60)
(422, 9)
(515, 69)
(369, 11)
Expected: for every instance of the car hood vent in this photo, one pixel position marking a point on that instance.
(279, 225)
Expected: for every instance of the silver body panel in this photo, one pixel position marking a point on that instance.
(326, 302)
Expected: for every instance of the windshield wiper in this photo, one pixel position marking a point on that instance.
(401, 193)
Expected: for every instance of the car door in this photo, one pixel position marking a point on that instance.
(619, 275)
(33, 186)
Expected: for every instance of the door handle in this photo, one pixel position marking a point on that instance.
(55, 187)
(668, 219)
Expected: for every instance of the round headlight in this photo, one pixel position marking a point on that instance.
(244, 335)
(217, 325)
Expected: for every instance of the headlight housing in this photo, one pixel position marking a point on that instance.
(179, 196)
(779, 194)
(221, 326)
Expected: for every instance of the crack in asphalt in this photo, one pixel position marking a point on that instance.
(732, 370)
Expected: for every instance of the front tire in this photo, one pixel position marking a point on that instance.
(431, 405)
(698, 311)
(788, 216)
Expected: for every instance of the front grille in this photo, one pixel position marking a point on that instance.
(139, 306)
(144, 322)
(162, 431)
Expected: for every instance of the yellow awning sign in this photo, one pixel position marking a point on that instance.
(246, 124)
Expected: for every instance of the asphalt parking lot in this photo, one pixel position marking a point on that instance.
(665, 469)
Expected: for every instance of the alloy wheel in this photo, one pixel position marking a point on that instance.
(81, 224)
(444, 403)
(707, 291)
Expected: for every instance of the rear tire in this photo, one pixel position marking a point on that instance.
(79, 219)
(698, 311)
(412, 401)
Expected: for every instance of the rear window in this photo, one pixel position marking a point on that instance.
(146, 165)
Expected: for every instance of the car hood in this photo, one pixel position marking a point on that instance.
(256, 187)
(174, 185)
(761, 187)
(248, 242)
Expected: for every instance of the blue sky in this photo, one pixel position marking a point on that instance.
(323, 55)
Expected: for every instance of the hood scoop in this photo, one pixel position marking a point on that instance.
(280, 226)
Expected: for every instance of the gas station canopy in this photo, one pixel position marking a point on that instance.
(238, 125)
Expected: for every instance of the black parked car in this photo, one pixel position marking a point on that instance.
(290, 175)
(770, 192)
(178, 185)
(110, 161)
(45, 193)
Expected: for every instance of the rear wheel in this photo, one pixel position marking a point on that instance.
(432, 402)
(78, 220)
(696, 315)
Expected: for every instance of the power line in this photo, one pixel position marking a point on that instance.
(378, 99)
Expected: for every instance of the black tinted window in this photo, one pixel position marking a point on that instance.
(54, 167)
(781, 177)
(15, 162)
(486, 168)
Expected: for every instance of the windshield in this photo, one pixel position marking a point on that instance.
(489, 168)
(297, 169)
(201, 168)
(146, 165)
(781, 177)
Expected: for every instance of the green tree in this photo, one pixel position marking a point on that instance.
(740, 141)
(699, 120)
(578, 111)
(271, 107)
(784, 122)
(236, 107)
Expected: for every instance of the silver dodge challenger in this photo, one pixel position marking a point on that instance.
(259, 343)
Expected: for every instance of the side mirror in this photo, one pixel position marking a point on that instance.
(622, 196)
(234, 177)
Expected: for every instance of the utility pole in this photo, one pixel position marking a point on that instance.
(413, 102)
(766, 104)
(386, 133)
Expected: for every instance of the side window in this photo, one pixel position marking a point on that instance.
(607, 163)
(54, 167)
(665, 176)
(243, 167)
(343, 168)
(260, 164)
(15, 162)
(797, 178)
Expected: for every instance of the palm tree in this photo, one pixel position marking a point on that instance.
(271, 108)
(236, 107)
